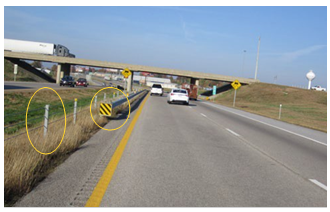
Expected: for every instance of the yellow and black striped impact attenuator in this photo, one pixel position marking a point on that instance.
(105, 109)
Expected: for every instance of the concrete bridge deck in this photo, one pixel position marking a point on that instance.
(140, 68)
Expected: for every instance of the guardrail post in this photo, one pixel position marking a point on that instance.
(46, 120)
(75, 111)
(95, 102)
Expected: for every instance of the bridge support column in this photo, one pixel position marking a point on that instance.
(194, 81)
(63, 69)
(58, 75)
(130, 82)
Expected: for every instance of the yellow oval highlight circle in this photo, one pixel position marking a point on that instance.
(129, 111)
(27, 130)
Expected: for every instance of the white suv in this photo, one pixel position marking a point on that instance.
(156, 89)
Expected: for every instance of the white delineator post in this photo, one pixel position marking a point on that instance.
(279, 113)
(46, 120)
(310, 76)
(95, 102)
(15, 72)
(75, 111)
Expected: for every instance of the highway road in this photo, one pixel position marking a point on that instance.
(197, 155)
(20, 86)
(17, 86)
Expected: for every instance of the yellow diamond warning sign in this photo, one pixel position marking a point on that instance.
(126, 72)
(236, 84)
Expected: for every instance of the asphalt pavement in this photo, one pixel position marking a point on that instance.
(21, 86)
(197, 155)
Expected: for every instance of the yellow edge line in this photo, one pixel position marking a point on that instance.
(101, 187)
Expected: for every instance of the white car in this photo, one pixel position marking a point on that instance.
(318, 88)
(156, 89)
(178, 95)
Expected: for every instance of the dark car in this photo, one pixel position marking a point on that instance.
(120, 87)
(81, 82)
(67, 80)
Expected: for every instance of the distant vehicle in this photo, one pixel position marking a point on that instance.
(82, 82)
(120, 87)
(318, 88)
(110, 84)
(37, 48)
(192, 90)
(119, 79)
(67, 80)
(178, 95)
(156, 89)
(104, 84)
(107, 77)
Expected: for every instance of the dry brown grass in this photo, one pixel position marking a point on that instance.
(299, 106)
(24, 167)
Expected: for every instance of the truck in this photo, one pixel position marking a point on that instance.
(107, 77)
(318, 88)
(36, 48)
(192, 90)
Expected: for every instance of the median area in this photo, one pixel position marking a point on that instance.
(25, 165)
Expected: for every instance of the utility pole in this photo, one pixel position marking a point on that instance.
(244, 51)
(255, 76)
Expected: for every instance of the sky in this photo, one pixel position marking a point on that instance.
(219, 40)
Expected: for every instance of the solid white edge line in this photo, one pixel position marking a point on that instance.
(203, 114)
(232, 132)
(318, 184)
(316, 141)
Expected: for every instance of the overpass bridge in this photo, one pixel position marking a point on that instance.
(64, 64)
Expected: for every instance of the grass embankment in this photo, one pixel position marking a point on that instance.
(299, 106)
(24, 167)
(17, 102)
(22, 74)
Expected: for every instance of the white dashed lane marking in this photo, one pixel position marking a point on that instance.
(318, 184)
(232, 132)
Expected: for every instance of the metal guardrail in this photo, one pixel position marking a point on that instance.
(119, 102)
(123, 100)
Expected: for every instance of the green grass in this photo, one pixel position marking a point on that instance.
(22, 74)
(16, 105)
